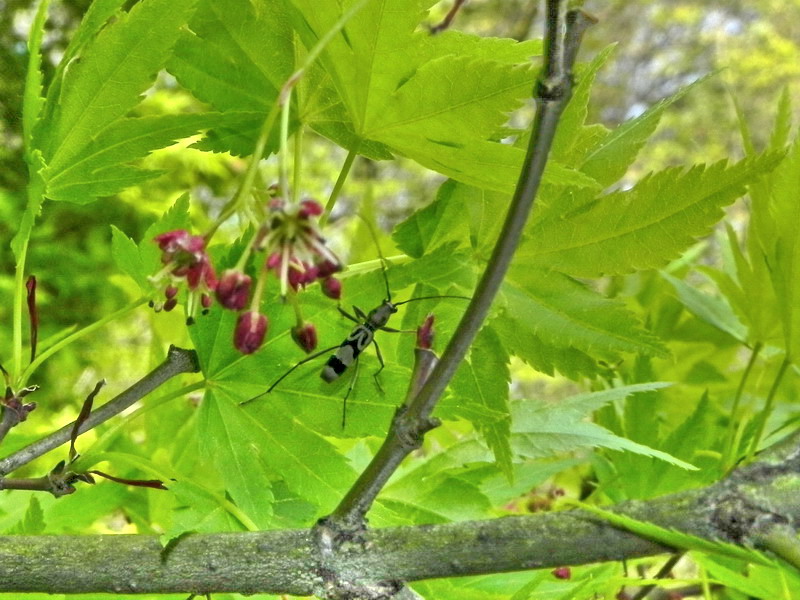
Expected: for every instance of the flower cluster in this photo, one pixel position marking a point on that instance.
(294, 252)
(296, 249)
(185, 259)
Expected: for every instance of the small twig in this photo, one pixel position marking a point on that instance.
(178, 361)
(448, 18)
(412, 422)
(35, 484)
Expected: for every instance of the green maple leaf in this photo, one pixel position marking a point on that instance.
(643, 227)
(540, 429)
(235, 56)
(564, 313)
(82, 135)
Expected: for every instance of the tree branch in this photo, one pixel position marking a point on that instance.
(739, 509)
(178, 361)
(411, 422)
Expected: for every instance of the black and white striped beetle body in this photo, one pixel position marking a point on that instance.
(358, 340)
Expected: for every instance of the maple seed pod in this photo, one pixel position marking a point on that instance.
(425, 334)
(233, 289)
(251, 327)
(332, 288)
(305, 336)
(561, 573)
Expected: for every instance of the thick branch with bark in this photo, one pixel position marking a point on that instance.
(754, 504)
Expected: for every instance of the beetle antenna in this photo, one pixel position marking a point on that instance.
(430, 298)
(380, 254)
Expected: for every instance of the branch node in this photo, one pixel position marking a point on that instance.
(336, 538)
(411, 430)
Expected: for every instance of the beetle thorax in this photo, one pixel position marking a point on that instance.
(380, 316)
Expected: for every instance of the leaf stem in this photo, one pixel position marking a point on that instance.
(178, 361)
(19, 287)
(411, 422)
(250, 175)
(735, 408)
(337, 187)
(266, 127)
(764, 415)
(283, 160)
(298, 164)
(31, 368)
(31, 108)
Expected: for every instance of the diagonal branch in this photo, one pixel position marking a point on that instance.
(411, 422)
(178, 361)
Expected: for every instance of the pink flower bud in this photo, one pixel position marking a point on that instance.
(206, 301)
(332, 288)
(251, 327)
(170, 304)
(305, 336)
(274, 260)
(296, 278)
(327, 268)
(562, 573)
(425, 334)
(309, 208)
(233, 289)
(171, 291)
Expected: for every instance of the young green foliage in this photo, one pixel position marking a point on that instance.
(83, 134)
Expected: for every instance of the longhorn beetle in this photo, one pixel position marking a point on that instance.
(362, 335)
